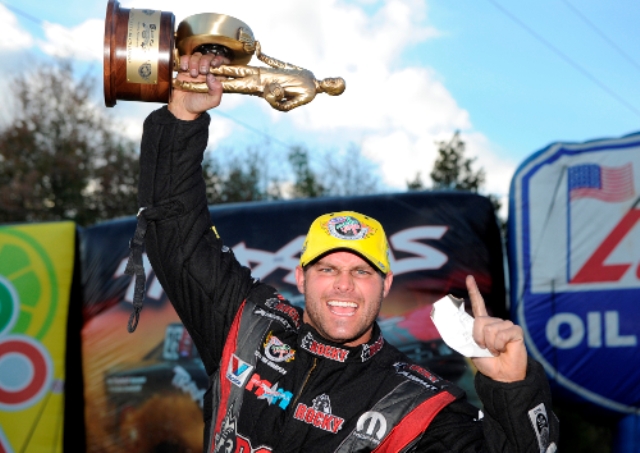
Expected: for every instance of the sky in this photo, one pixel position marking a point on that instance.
(512, 77)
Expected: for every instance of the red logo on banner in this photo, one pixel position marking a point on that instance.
(595, 269)
(28, 387)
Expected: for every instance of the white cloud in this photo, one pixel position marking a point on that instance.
(400, 156)
(130, 116)
(13, 37)
(83, 42)
(395, 111)
(499, 170)
(219, 130)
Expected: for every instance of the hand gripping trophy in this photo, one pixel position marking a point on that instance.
(141, 53)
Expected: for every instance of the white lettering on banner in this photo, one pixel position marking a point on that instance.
(593, 329)
(263, 262)
(154, 289)
(426, 257)
(268, 262)
(172, 336)
(183, 381)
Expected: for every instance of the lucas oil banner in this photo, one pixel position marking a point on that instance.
(574, 221)
(144, 390)
(36, 268)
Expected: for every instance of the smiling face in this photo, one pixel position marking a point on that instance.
(343, 295)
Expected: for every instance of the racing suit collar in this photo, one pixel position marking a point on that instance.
(311, 341)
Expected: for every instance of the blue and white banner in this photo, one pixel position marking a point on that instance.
(574, 259)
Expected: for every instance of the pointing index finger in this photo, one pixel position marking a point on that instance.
(477, 302)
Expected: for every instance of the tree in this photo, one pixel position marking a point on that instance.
(306, 184)
(246, 179)
(243, 179)
(416, 184)
(452, 170)
(349, 173)
(61, 157)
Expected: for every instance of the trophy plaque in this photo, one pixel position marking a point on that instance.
(142, 50)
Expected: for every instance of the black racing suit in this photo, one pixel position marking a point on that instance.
(276, 384)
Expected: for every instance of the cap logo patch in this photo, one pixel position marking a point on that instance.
(347, 227)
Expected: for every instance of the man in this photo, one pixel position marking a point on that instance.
(321, 379)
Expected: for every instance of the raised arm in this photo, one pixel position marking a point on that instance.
(201, 277)
(517, 413)
(274, 62)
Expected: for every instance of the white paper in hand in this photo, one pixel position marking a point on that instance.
(456, 327)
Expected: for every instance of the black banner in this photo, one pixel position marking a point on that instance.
(436, 238)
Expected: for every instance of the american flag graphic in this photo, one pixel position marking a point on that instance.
(610, 184)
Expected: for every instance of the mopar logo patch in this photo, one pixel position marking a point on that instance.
(371, 426)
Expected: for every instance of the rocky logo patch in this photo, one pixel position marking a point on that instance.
(319, 414)
(323, 350)
(369, 350)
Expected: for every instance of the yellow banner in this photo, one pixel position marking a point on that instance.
(36, 268)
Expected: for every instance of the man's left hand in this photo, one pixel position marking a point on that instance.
(502, 338)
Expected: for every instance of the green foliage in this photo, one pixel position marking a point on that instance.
(60, 156)
(349, 173)
(246, 178)
(241, 179)
(306, 184)
(452, 170)
(416, 184)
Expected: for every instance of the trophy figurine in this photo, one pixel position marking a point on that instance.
(142, 52)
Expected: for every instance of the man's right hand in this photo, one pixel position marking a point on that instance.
(195, 68)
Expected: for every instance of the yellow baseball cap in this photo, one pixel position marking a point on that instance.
(347, 230)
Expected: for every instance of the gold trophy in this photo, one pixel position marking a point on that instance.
(142, 52)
